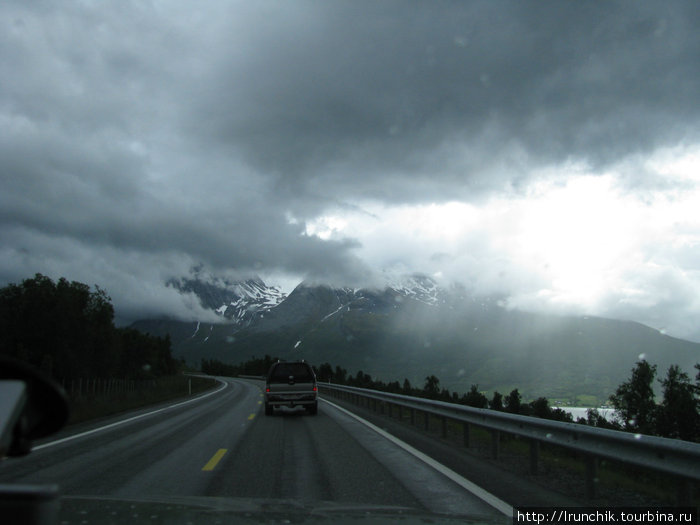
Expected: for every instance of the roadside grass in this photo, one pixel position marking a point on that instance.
(585, 400)
(95, 405)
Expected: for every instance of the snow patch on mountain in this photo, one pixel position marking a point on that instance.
(238, 302)
(244, 303)
(416, 286)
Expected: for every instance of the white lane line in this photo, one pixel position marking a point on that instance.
(480, 493)
(112, 425)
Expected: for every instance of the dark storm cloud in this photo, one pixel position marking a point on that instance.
(91, 150)
(146, 134)
(336, 93)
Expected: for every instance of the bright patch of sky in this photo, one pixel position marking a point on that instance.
(326, 226)
(572, 241)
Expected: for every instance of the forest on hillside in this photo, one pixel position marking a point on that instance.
(66, 330)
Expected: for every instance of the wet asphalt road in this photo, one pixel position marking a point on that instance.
(223, 445)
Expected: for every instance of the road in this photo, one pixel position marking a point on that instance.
(222, 445)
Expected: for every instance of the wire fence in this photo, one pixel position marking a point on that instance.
(100, 387)
(96, 397)
(107, 388)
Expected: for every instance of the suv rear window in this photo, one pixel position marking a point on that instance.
(281, 372)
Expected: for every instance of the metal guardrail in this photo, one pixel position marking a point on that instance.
(675, 457)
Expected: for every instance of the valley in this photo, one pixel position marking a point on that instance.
(415, 328)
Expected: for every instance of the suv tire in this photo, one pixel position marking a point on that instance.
(268, 409)
(313, 409)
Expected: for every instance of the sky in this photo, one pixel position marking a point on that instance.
(545, 151)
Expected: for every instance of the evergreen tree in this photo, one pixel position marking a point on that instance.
(496, 402)
(678, 415)
(474, 398)
(340, 375)
(431, 389)
(514, 402)
(325, 373)
(540, 408)
(595, 419)
(634, 400)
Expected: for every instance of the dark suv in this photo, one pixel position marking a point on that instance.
(291, 384)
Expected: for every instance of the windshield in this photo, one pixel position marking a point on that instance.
(487, 204)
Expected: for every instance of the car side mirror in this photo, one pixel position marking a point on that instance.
(32, 406)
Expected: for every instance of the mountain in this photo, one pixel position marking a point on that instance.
(237, 302)
(413, 328)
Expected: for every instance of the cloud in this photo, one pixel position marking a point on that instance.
(371, 97)
(141, 139)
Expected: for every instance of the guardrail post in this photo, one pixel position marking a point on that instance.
(534, 455)
(591, 476)
(465, 429)
(495, 443)
(444, 426)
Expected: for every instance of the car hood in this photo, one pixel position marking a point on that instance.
(208, 510)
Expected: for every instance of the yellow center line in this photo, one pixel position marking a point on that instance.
(259, 402)
(215, 459)
(250, 417)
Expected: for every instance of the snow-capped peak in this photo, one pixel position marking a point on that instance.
(416, 286)
(238, 302)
